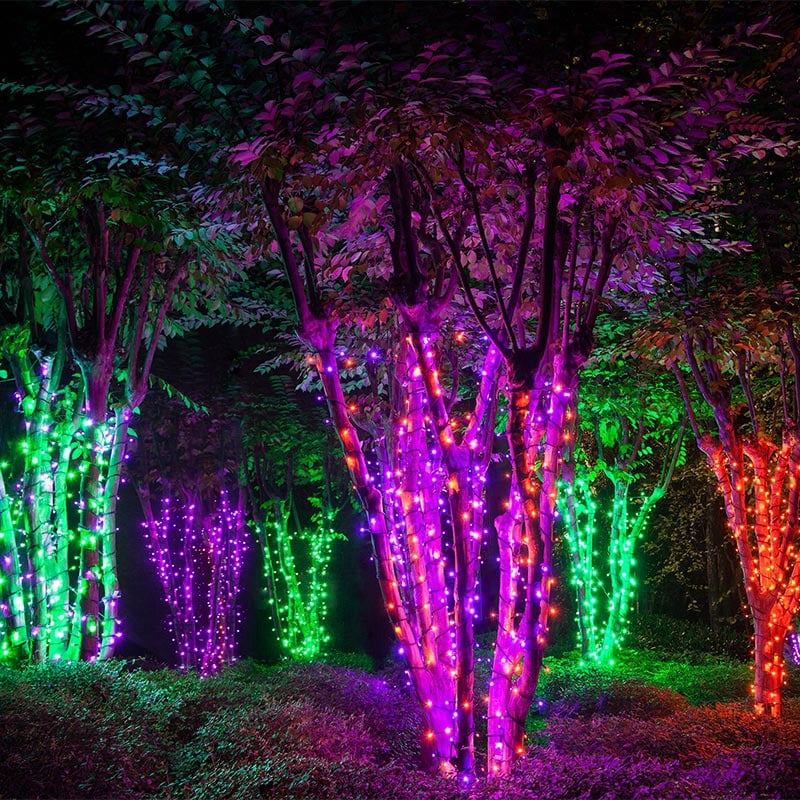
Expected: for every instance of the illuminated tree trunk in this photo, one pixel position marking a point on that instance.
(175, 585)
(38, 556)
(624, 534)
(15, 646)
(537, 423)
(198, 555)
(759, 482)
(620, 456)
(38, 495)
(90, 585)
(298, 598)
(579, 511)
(408, 538)
(223, 538)
(108, 564)
(431, 676)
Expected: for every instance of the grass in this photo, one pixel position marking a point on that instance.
(650, 728)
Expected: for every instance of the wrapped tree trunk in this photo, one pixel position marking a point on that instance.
(422, 458)
(537, 425)
(758, 479)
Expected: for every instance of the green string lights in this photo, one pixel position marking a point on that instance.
(296, 567)
(603, 626)
(43, 505)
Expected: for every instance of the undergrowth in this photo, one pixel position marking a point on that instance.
(647, 729)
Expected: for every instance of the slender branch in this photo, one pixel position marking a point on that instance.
(573, 263)
(525, 239)
(123, 292)
(269, 191)
(64, 285)
(626, 464)
(593, 247)
(453, 241)
(597, 287)
(687, 403)
(308, 266)
(549, 295)
(743, 371)
(669, 468)
(403, 249)
(784, 398)
(705, 390)
(795, 351)
(137, 331)
(476, 210)
(166, 304)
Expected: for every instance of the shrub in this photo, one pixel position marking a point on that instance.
(79, 730)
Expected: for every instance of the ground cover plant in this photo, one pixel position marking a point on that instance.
(317, 731)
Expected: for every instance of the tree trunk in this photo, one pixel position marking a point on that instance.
(109, 573)
(771, 628)
(16, 646)
(536, 426)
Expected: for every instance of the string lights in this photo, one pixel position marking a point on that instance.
(198, 555)
(44, 514)
(297, 582)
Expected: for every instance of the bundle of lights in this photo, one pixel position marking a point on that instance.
(299, 594)
(43, 525)
(198, 558)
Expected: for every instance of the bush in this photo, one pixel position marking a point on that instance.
(682, 640)
(571, 687)
(317, 731)
(80, 730)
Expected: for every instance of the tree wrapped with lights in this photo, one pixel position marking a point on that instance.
(188, 477)
(198, 550)
(295, 490)
(104, 264)
(741, 351)
(628, 425)
(37, 521)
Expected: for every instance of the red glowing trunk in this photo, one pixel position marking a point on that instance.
(759, 482)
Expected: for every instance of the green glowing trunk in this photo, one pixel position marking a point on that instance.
(623, 536)
(15, 644)
(580, 529)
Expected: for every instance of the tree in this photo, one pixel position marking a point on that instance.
(738, 345)
(108, 243)
(189, 478)
(631, 434)
(296, 493)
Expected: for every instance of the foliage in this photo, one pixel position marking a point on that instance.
(571, 686)
(317, 731)
(690, 641)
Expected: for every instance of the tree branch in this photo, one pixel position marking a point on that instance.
(476, 210)
(795, 351)
(687, 403)
(525, 239)
(743, 371)
(269, 191)
(550, 290)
